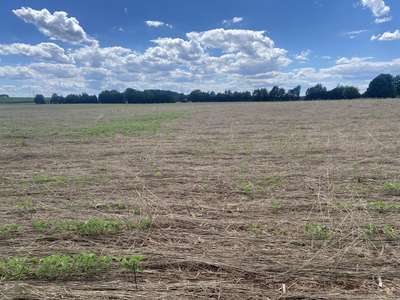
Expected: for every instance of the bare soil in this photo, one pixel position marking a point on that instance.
(230, 188)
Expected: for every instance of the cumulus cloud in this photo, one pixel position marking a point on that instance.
(379, 9)
(57, 26)
(157, 24)
(42, 51)
(213, 59)
(387, 36)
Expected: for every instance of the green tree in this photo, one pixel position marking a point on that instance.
(382, 86)
(396, 83)
(317, 92)
(39, 99)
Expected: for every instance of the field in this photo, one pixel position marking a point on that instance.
(16, 100)
(200, 201)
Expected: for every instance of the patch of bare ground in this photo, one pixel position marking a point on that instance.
(246, 200)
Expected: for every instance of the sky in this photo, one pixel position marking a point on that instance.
(64, 47)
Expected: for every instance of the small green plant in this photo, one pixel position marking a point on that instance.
(144, 224)
(371, 230)
(96, 226)
(137, 211)
(247, 187)
(318, 231)
(255, 228)
(9, 229)
(40, 225)
(55, 267)
(90, 263)
(17, 268)
(26, 206)
(392, 188)
(390, 232)
(132, 263)
(276, 205)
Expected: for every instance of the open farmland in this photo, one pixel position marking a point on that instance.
(223, 201)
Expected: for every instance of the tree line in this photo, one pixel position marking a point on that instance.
(382, 86)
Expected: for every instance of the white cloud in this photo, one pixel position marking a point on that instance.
(345, 60)
(57, 26)
(42, 51)
(157, 24)
(303, 56)
(211, 60)
(379, 9)
(234, 20)
(355, 33)
(387, 36)
(383, 20)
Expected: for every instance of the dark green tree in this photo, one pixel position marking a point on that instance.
(351, 92)
(381, 86)
(294, 94)
(318, 92)
(39, 99)
(396, 83)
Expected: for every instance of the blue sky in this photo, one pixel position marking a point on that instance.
(75, 46)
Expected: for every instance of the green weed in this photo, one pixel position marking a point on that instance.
(55, 267)
(392, 188)
(132, 263)
(144, 224)
(276, 205)
(40, 225)
(59, 266)
(9, 229)
(383, 206)
(255, 228)
(26, 206)
(318, 231)
(17, 268)
(371, 230)
(247, 187)
(390, 232)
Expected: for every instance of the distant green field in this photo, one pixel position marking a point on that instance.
(16, 100)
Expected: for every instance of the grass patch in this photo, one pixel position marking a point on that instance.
(261, 185)
(392, 188)
(388, 231)
(25, 206)
(16, 268)
(61, 267)
(9, 229)
(60, 179)
(91, 227)
(317, 231)
(56, 267)
(383, 206)
(145, 124)
(144, 224)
